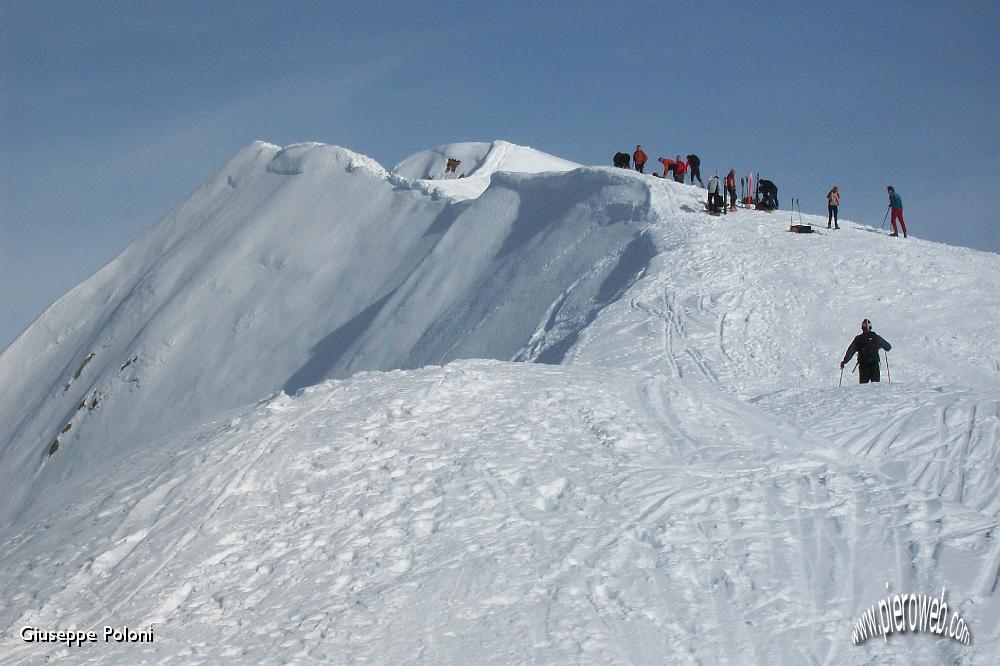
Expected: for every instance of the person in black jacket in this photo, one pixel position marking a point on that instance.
(767, 195)
(866, 346)
(694, 168)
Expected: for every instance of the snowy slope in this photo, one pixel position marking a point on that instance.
(489, 512)
(681, 482)
(293, 265)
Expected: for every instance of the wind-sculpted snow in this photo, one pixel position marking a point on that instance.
(496, 513)
(298, 264)
(668, 472)
(478, 160)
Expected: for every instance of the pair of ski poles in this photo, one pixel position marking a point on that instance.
(888, 375)
(791, 212)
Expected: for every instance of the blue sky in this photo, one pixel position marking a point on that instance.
(111, 112)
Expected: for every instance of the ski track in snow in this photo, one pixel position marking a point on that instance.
(688, 486)
(451, 514)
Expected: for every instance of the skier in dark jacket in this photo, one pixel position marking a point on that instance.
(694, 168)
(866, 345)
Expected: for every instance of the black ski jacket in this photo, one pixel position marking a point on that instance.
(866, 346)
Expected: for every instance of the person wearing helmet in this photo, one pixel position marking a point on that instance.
(866, 345)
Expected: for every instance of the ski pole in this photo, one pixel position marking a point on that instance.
(841, 382)
(887, 373)
(855, 367)
(885, 218)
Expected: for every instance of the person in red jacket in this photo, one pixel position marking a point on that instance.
(731, 188)
(680, 169)
(639, 157)
(668, 166)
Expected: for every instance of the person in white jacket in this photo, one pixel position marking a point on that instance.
(714, 194)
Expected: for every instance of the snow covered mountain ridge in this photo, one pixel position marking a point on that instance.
(679, 397)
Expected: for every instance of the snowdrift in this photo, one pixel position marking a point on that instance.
(294, 265)
(666, 471)
(477, 164)
(479, 160)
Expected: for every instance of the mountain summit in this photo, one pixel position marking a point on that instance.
(535, 410)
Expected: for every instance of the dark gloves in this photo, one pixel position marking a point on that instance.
(842, 364)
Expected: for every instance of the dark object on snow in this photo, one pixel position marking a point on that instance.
(867, 346)
(767, 195)
(452, 165)
(797, 228)
(694, 168)
(621, 160)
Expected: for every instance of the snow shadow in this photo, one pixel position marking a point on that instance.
(442, 223)
(327, 353)
(631, 265)
(540, 210)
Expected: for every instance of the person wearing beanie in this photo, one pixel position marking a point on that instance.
(866, 346)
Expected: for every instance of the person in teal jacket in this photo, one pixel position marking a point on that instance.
(896, 204)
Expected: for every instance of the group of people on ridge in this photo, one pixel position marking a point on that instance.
(868, 343)
(768, 192)
(676, 167)
(679, 168)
